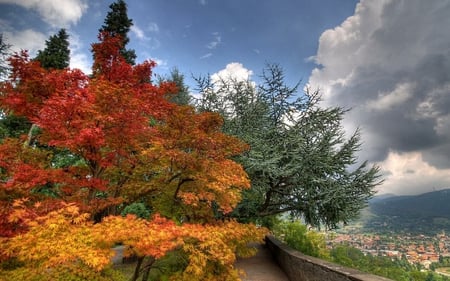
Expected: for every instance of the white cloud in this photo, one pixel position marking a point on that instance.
(149, 42)
(160, 62)
(215, 42)
(138, 32)
(55, 12)
(28, 39)
(342, 49)
(81, 61)
(205, 56)
(233, 70)
(153, 27)
(78, 56)
(387, 101)
(408, 173)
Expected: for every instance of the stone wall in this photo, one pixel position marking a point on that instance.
(300, 267)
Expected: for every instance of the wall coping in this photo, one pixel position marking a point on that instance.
(300, 267)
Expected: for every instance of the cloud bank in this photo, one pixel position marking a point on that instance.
(390, 63)
(55, 12)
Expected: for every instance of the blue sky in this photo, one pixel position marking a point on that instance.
(197, 36)
(387, 60)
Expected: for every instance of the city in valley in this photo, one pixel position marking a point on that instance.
(417, 249)
(394, 227)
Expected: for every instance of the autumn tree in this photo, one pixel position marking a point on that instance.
(118, 24)
(10, 125)
(55, 55)
(300, 161)
(169, 157)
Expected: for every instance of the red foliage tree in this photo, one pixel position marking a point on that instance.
(130, 145)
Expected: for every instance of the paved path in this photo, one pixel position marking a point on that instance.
(261, 267)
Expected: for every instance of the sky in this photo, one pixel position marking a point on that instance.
(386, 60)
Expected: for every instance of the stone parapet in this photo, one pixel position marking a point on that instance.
(300, 267)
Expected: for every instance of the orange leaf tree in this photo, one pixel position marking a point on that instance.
(126, 144)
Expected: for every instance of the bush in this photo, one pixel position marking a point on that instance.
(138, 209)
(297, 236)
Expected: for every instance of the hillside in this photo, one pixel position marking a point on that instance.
(427, 213)
(432, 204)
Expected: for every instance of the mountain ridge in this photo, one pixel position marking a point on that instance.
(426, 213)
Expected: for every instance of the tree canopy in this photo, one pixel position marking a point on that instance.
(108, 141)
(300, 161)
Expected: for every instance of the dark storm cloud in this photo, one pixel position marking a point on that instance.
(390, 63)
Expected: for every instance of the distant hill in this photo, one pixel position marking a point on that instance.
(431, 204)
(382, 197)
(427, 213)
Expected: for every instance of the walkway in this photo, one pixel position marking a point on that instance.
(261, 267)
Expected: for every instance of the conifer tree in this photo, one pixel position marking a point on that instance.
(300, 161)
(117, 23)
(181, 96)
(56, 54)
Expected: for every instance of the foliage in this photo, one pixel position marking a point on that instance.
(297, 236)
(117, 24)
(105, 141)
(56, 54)
(300, 161)
(138, 209)
(13, 126)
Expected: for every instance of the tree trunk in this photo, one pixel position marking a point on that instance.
(137, 269)
(30, 135)
(147, 268)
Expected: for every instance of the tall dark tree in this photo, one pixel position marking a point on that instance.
(56, 54)
(117, 23)
(300, 161)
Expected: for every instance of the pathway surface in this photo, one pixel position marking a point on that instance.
(261, 267)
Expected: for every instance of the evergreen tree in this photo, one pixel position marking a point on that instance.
(56, 54)
(117, 23)
(300, 161)
(182, 96)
